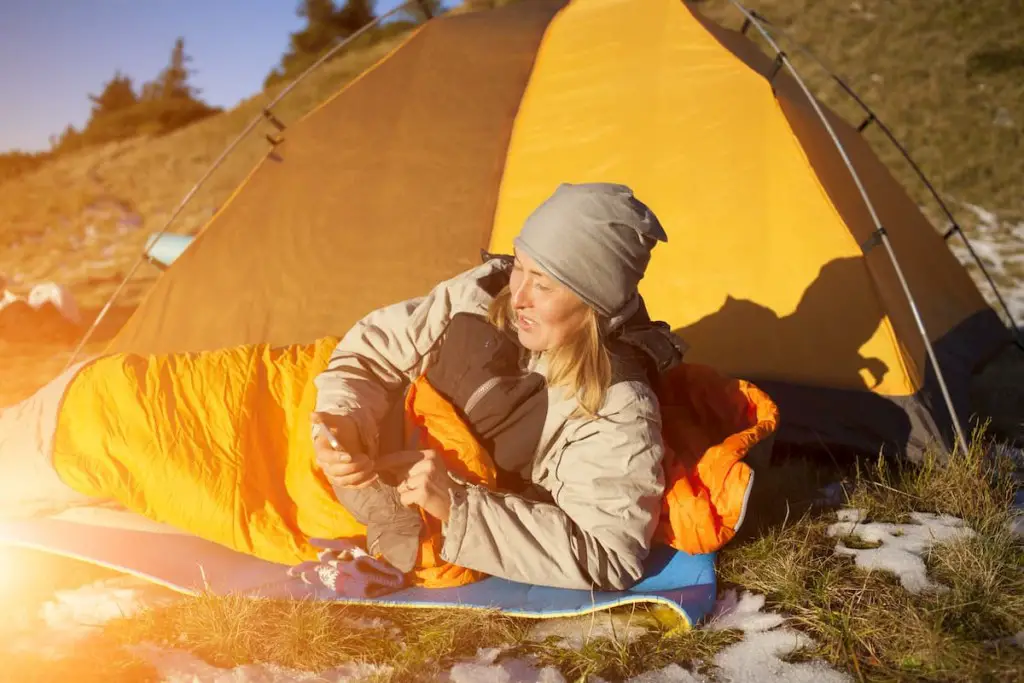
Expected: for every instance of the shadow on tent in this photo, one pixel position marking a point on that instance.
(822, 428)
(821, 340)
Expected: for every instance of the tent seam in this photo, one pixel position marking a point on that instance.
(537, 58)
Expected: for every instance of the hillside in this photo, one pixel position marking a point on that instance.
(945, 76)
(83, 219)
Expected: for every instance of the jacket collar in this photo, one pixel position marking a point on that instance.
(653, 339)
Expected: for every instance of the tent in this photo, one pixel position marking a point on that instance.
(777, 270)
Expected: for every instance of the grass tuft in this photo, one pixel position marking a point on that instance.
(977, 486)
(618, 659)
(310, 635)
(865, 622)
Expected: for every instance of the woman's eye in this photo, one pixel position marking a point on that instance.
(541, 287)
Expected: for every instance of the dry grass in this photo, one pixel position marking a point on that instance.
(865, 622)
(404, 645)
(947, 80)
(977, 487)
(621, 659)
(317, 636)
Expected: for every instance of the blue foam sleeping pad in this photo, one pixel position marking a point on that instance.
(188, 564)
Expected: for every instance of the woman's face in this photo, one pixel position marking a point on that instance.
(547, 312)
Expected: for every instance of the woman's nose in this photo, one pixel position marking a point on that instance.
(519, 296)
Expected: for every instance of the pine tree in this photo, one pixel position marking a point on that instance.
(173, 80)
(326, 24)
(355, 15)
(319, 32)
(117, 94)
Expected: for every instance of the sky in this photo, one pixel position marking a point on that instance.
(54, 53)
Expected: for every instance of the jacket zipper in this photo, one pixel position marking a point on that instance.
(480, 392)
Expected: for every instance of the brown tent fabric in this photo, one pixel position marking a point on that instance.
(443, 148)
(373, 198)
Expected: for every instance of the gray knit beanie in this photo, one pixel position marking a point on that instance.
(596, 239)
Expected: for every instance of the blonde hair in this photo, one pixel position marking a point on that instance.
(581, 365)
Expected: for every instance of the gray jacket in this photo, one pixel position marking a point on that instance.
(587, 492)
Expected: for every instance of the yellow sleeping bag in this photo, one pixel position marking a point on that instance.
(219, 444)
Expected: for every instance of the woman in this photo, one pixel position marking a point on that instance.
(550, 357)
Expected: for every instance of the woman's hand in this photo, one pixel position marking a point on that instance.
(426, 482)
(346, 466)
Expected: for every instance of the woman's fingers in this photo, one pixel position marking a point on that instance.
(344, 469)
(425, 466)
(415, 482)
(346, 475)
(408, 498)
(354, 470)
(414, 491)
(429, 489)
(400, 460)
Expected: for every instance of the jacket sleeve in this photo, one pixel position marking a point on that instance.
(596, 534)
(389, 348)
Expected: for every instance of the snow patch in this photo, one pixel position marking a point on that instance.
(80, 611)
(176, 666)
(673, 673)
(998, 243)
(73, 615)
(58, 296)
(509, 671)
(743, 613)
(486, 669)
(902, 545)
(758, 657)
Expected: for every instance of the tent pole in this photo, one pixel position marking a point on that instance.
(879, 229)
(265, 113)
(872, 117)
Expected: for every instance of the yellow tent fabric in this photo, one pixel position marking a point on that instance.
(443, 148)
(664, 107)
